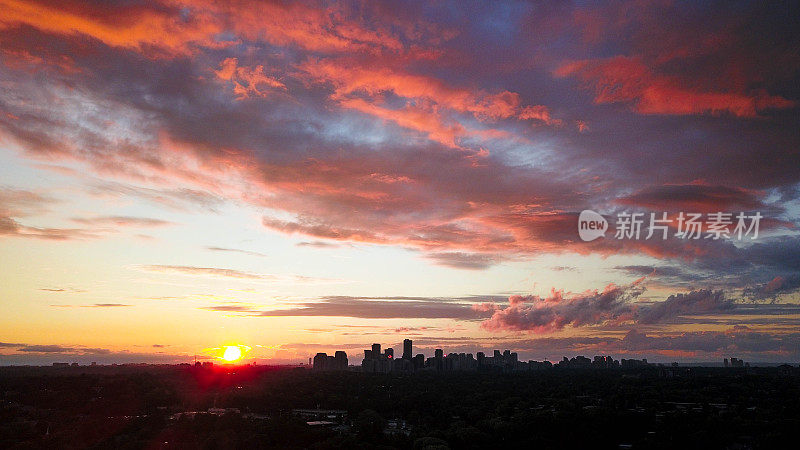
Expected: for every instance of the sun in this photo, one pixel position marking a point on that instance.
(232, 353)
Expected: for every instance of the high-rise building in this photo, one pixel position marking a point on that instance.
(390, 353)
(320, 361)
(340, 360)
(407, 349)
(376, 349)
(438, 353)
(324, 362)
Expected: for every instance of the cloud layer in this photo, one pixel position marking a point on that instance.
(472, 134)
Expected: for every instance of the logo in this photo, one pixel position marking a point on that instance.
(591, 225)
(714, 225)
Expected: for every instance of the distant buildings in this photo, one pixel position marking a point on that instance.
(735, 362)
(377, 361)
(507, 361)
(323, 362)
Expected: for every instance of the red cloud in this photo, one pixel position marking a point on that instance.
(303, 153)
(130, 26)
(362, 85)
(247, 81)
(629, 80)
(171, 28)
(541, 315)
(696, 197)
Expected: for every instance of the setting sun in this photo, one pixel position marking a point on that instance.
(232, 353)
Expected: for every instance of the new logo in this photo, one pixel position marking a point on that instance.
(591, 225)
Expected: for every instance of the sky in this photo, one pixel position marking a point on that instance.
(303, 177)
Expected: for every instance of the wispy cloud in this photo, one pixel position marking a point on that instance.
(459, 260)
(95, 305)
(318, 244)
(236, 250)
(368, 308)
(62, 349)
(121, 221)
(106, 305)
(216, 272)
(69, 290)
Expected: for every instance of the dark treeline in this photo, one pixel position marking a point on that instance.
(256, 407)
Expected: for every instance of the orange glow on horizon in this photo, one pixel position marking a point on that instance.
(232, 353)
(229, 354)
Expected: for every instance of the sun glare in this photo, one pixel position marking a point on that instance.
(232, 353)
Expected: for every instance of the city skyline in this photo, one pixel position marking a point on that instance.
(178, 178)
(375, 361)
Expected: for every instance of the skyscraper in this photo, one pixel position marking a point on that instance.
(376, 349)
(340, 360)
(407, 349)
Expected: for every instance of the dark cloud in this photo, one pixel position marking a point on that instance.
(368, 308)
(697, 198)
(614, 305)
(46, 349)
(737, 341)
(655, 271)
(459, 260)
(773, 288)
(697, 302)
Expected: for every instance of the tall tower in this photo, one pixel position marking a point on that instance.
(407, 349)
(376, 350)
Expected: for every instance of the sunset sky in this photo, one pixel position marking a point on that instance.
(302, 177)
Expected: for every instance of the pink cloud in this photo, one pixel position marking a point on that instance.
(629, 80)
(247, 81)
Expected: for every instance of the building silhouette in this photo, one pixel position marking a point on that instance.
(323, 362)
(407, 352)
(377, 361)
